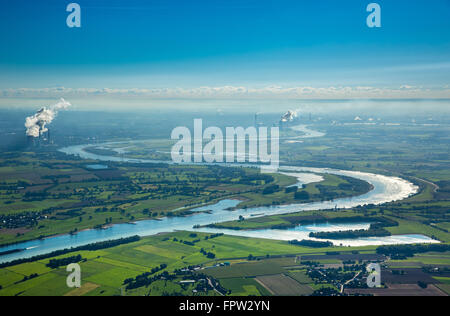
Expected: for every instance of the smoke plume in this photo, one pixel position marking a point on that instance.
(36, 124)
(289, 116)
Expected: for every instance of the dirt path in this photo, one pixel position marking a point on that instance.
(434, 185)
(264, 286)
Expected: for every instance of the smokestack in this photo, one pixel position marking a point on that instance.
(30, 141)
(289, 116)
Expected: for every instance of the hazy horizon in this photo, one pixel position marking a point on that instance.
(351, 106)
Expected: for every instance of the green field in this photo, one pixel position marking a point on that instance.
(244, 287)
(104, 271)
(58, 195)
(46, 193)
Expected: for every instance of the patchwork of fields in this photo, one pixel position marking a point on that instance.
(47, 193)
(44, 194)
(104, 271)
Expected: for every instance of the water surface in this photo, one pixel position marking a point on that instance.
(385, 189)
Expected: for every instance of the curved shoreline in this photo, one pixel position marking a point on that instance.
(385, 189)
(399, 188)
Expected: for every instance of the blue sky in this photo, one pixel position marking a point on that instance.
(255, 44)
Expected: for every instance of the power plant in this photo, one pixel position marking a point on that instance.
(43, 139)
(36, 125)
(289, 117)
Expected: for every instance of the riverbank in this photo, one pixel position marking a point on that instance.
(385, 189)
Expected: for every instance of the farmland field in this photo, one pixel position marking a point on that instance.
(104, 271)
(220, 148)
(45, 193)
(283, 286)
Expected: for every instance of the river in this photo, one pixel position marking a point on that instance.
(385, 189)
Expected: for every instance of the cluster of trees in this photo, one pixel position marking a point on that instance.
(26, 219)
(186, 242)
(213, 236)
(149, 213)
(382, 222)
(335, 276)
(193, 184)
(89, 247)
(29, 277)
(191, 243)
(354, 184)
(56, 263)
(302, 195)
(291, 189)
(224, 226)
(35, 196)
(208, 255)
(202, 282)
(405, 251)
(377, 222)
(70, 213)
(351, 234)
(55, 177)
(311, 243)
(329, 192)
(254, 179)
(271, 189)
(327, 291)
(8, 252)
(148, 278)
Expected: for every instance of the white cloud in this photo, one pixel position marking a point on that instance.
(239, 92)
